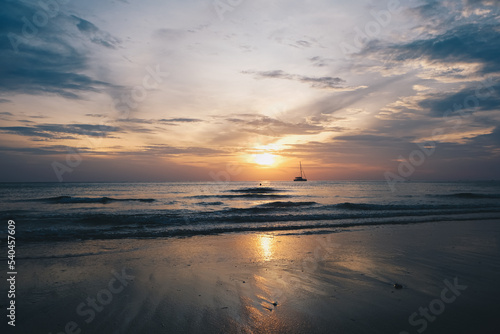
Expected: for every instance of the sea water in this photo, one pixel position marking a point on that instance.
(69, 211)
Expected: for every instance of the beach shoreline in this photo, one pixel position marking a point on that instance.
(267, 282)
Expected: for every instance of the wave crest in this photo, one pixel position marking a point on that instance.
(82, 200)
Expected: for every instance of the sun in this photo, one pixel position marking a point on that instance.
(265, 159)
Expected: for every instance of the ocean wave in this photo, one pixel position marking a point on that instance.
(210, 203)
(279, 204)
(190, 230)
(409, 207)
(269, 208)
(388, 207)
(257, 190)
(275, 211)
(249, 195)
(468, 195)
(82, 200)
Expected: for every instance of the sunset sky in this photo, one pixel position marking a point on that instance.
(243, 90)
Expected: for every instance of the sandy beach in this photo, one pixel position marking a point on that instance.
(341, 281)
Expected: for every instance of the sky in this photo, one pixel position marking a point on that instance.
(229, 90)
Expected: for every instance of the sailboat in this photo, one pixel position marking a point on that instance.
(300, 178)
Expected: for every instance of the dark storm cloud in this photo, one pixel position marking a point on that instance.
(47, 58)
(61, 131)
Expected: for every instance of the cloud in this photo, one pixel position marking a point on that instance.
(294, 38)
(162, 150)
(169, 34)
(481, 97)
(243, 129)
(332, 83)
(5, 115)
(149, 150)
(46, 150)
(488, 140)
(318, 61)
(364, 138)
(96, 115)
(470, 99)
(457, 58)
(268, 126)
(450, 51)
(50, 59)
(379, 153)
(61, 131)
(303, 43)
(163, 121)
(23, 168)
(96, 35)
(180, 120)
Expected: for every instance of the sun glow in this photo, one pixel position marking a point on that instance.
(265, 159)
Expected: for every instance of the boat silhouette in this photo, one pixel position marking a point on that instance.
(300, 178)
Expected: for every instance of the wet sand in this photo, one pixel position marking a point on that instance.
(340, 282)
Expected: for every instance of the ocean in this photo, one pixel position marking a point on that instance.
(82, 211)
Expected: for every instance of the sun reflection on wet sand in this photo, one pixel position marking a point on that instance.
(266, 243)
